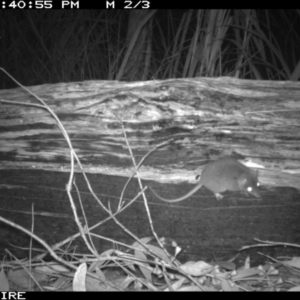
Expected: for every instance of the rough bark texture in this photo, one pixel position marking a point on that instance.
(204, 118)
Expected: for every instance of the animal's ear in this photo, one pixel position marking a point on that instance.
(254, 173)
(242, 180)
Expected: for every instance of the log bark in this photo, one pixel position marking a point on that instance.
(204, 118)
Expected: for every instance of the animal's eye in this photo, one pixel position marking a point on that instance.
(249, 189)
(258, 184)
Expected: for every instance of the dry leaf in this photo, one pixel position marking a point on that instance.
(4, 284)
(22, 278)
(196, 268)
(79, 278)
